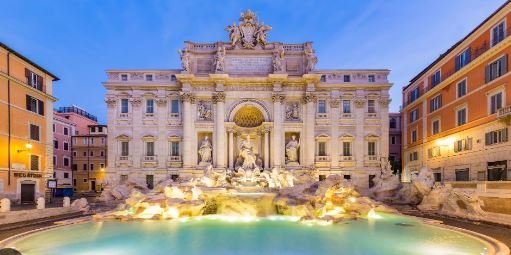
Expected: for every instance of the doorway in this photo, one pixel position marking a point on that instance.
(27, 193)
(93, 185)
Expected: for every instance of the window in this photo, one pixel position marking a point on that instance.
(149, 106)
(435, 103)
(414, 156)
(124, 178)
(174, 107)
(84, 167)
(414, 135)
(34, 80)
(92, 140)
(124, 77)
(102, 140)
(125, 148)
(85, 154)
(347, 78)
(85, 140)
(496, 69)
(392, 140)
(321, 106)
(435, 129)
(101, 166)
(414, 94)
(371, 78)
(55, 144)
(53, 128)
(498, 33)
(497, 136)
(34, 132)
(414, 115)
(393, 123)
(149, 149)
(495, 102)
(346, 148)
(437, 176)
(91, 153)
(346, 106)
(434, 152)
(66, 161)
(91, 166)
(66, 146)
(462, 174)
(74, 153)
(436, 78)
(102, 153)
(35, 105)
(66, 131)
(34, 162)
(149, 77)
(74, 167)
(461, 116)
(100, 129)
(321, 149)
(84, 180)
(66, 175)
(371, 148)
(92, 129)
(124, 105)
(174, 148)
(371, 108)
(463, 144)
(462, 59)
(461, 88)
(323, 78)
(54, 160)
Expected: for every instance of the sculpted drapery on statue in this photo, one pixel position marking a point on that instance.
(219, 60)
(292, 151)
(249, 32)
(185, 59)
(205, 151)
(312, 60)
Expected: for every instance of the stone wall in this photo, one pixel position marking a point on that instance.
(34, 214)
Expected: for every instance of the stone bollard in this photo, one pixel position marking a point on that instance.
(40, 203)
(67, 202)
(5, 205)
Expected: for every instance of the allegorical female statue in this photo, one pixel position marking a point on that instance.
(205, 151)
(292, 150)
(246, 153)
(185, 59)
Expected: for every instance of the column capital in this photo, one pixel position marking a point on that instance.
(359, 102)
(111, 102)
(334, 103)
(308, 98)
(188, 97)
(385, 101)
(278, 98)
(161, 101)
(218, 97)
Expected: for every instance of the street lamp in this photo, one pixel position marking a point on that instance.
(28, 146)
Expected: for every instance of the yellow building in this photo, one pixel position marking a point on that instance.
(26, 117)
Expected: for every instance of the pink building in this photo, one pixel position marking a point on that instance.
(80, 117)
(395, 146)
(63, 129)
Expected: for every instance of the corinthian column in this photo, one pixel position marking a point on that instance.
(188, 130)
(277, 129)
(384, 115)
(359, 102)
(310, 119)
(334, 130)
(219, 100)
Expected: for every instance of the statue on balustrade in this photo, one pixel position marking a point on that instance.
(205, 152)
(292, 151)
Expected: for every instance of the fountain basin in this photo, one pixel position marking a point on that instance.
(389, 234)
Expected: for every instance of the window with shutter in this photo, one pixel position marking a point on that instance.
(34, 162)
(34, 132)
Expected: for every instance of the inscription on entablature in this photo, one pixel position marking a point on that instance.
(293, 65)
(248, 64)
(204, 65)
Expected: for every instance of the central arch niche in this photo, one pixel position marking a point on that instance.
(248, 116)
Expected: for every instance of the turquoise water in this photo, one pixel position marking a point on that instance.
(390, 235)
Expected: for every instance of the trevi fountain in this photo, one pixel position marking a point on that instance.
(262, 202)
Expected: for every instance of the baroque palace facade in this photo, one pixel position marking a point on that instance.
(246, 105)
(457, 111)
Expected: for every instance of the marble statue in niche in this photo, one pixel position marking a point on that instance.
(204, 111)
(205, 151)
(292, 151)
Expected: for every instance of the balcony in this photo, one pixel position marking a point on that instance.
(124, 115)
(347, 158)
(371, 115)
(174, 158)
(346, 115)
(504, 112)
(174, 161)
(124, 161)
(475, 52)
(149, 115)
(371, 158)
(321, 115)
(149, 158)
(322, 158)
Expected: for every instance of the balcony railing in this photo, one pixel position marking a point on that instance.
(321, 115)
(322, 158)
(149, 158)
(174, 158)
(124, 158)
(124, 115)
(346, 115)
(371, 115)
(371, 158)
(504, 112)
(475, 52)
(149, 115)
(347, 158)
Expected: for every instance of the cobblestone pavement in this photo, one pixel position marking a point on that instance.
(497, 231)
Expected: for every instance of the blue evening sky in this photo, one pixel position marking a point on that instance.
(78, 39)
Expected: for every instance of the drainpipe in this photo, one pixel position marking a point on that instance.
(8, 120)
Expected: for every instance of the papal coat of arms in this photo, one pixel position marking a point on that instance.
(249, 32)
